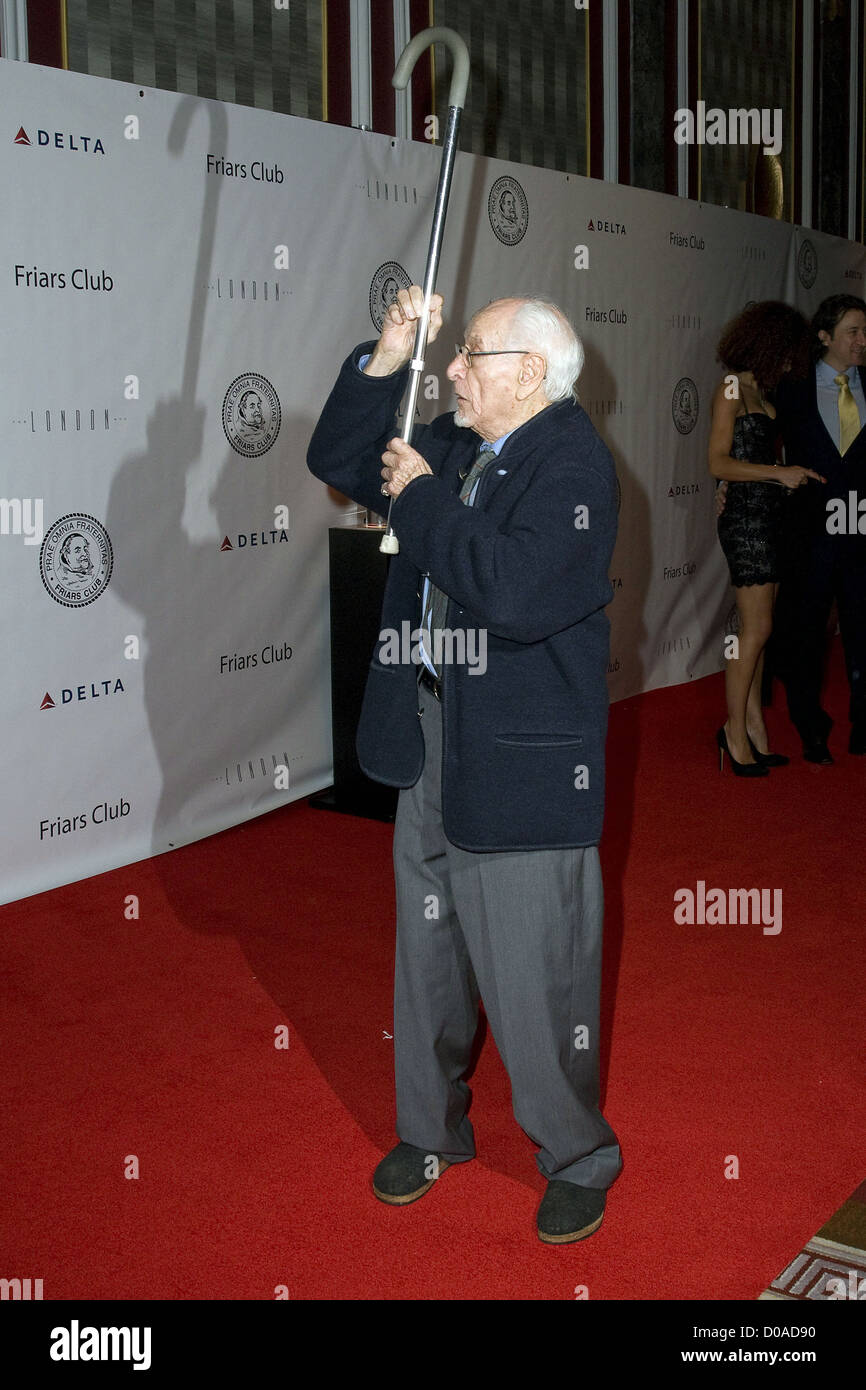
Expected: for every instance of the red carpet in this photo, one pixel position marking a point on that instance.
(155, 1038)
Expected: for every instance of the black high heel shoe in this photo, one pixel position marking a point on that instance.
(740, 769)
(768, 759)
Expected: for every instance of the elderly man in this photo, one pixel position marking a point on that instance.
(505, 512)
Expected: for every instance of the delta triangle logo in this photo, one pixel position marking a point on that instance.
(589, 226)
(226, 545)
(22, 138)
(47, 703)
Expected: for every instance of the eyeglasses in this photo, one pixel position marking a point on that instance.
(463, 352)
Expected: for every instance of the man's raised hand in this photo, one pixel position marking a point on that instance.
(394, 348)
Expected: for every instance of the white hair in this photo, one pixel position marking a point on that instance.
(539, 325)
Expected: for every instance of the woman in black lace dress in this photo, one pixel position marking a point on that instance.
(757, 349)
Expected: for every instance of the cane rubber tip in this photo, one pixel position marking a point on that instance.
(389, 545)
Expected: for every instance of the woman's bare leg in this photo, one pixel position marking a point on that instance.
(743, 672)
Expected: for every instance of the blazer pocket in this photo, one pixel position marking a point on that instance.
(539, 740)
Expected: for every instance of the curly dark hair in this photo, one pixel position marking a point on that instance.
(828, 315)
(763, 339)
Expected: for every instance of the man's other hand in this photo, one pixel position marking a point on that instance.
(402, 464)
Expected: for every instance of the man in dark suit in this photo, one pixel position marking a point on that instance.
(505, 512)
(824, 541)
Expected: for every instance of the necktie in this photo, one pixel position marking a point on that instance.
(849, 416)
(437, 602)
(485, 453)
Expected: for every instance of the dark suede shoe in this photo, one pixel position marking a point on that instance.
(569, 1212)
(817, 752)
(406, 1173)
(857, 741)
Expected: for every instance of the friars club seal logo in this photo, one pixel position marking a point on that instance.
(251, 415)
(684, 405)
(807, 264)
(508, 210)
(388, 280)
(76, 560)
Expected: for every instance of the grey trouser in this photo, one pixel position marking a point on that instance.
(524, 929)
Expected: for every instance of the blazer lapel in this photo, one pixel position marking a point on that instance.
(515, 448)
(818, 417)
(859, 444)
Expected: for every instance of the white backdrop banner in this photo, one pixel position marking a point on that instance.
(180, 282)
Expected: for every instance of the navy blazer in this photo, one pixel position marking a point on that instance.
(523, 743)
(808, 444)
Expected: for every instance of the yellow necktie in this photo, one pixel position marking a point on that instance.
(849, 416)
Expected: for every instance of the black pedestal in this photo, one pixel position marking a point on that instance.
(358, 570)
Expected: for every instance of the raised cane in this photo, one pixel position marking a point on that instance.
(456, 97)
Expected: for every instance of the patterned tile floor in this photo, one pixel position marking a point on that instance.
(832, 1265)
